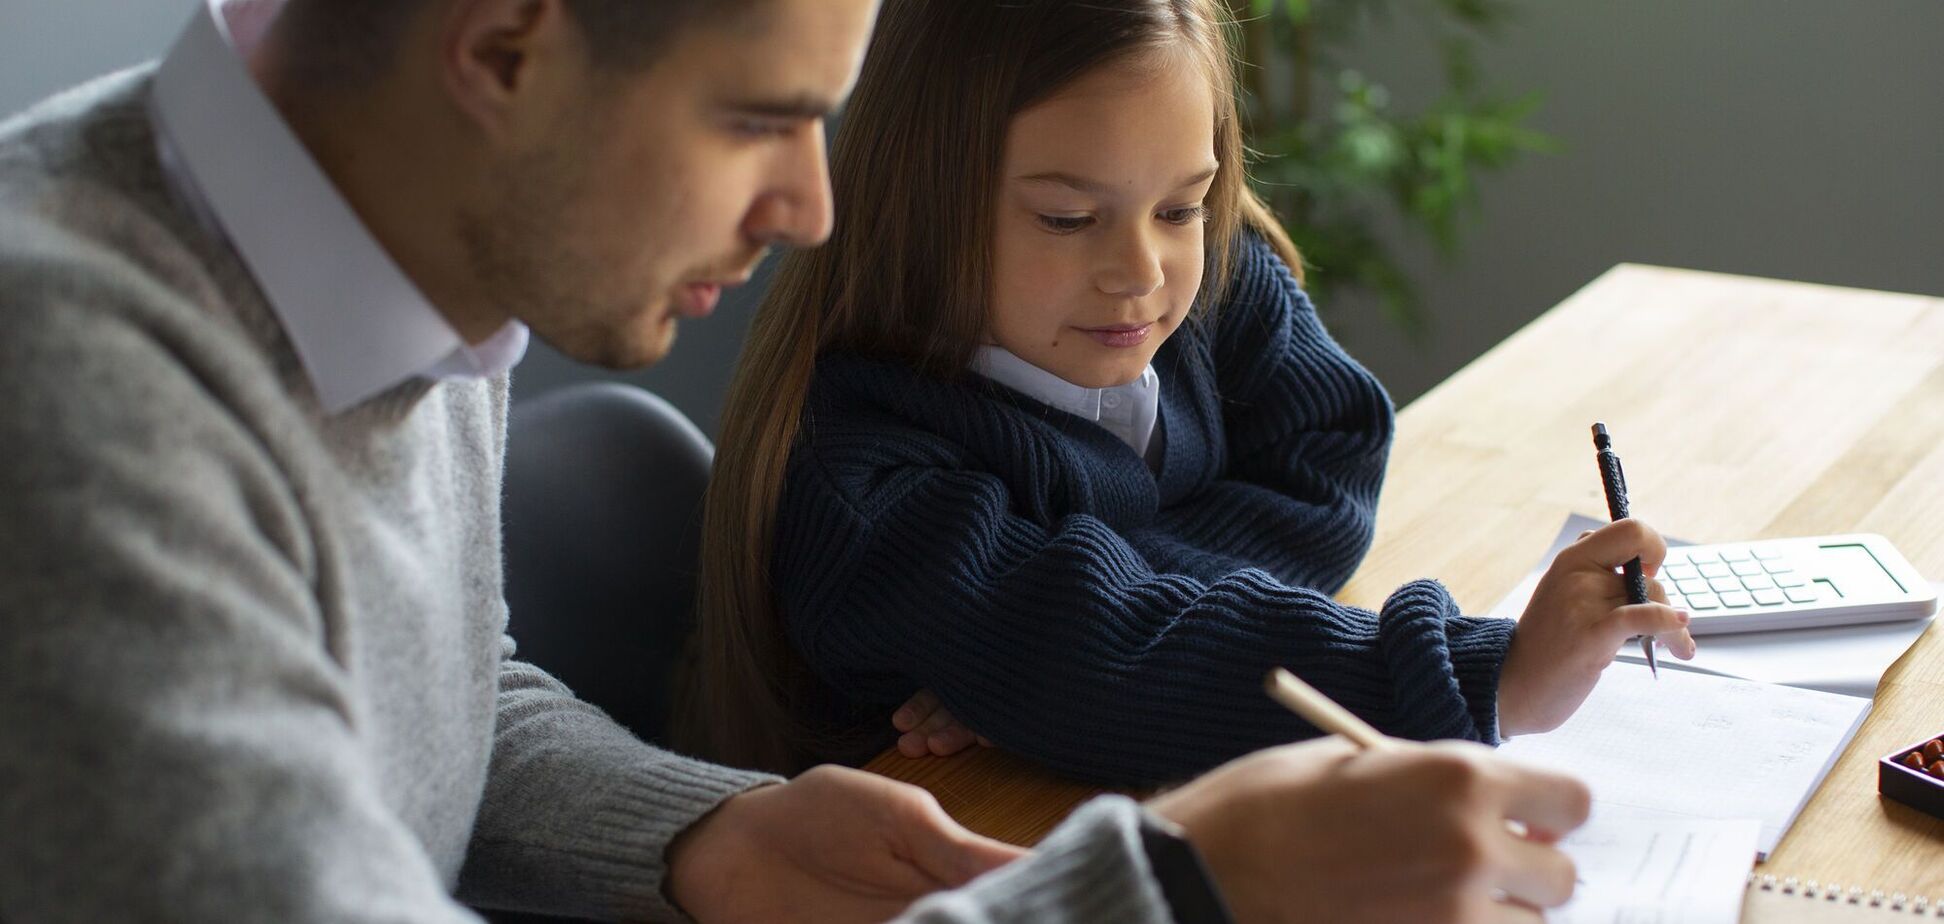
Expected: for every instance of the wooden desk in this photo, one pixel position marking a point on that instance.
(1746, 408)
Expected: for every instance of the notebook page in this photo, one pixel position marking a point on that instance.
(1636, 869)
(1699, 746)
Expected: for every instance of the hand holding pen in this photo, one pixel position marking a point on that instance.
(1578, 618)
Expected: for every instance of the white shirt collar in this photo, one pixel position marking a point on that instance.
(357, 321)
(1128, 411)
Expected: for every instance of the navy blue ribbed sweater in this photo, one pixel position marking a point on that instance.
(1079, 608)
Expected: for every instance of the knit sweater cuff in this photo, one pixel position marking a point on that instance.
(648, 809)
(1445, 666)
(1091, 868)
(1478, 647)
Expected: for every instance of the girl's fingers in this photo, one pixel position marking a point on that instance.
(915, 710)
(1619, 542)
(1680, 643)
(939, 720)
(1656, 619)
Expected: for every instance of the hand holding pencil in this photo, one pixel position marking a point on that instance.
(1393, 831)
(1576, 621)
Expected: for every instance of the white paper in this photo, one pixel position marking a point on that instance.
(1636, 869)
(1697, 746)
(1836, 659)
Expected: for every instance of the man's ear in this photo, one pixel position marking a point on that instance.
(502, 59)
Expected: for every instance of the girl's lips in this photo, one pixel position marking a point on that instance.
(698, 300)
(1119, 337)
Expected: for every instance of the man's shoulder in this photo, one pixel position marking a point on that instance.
(85, 134)
(83, 203)
(97, 261)
(100, 341)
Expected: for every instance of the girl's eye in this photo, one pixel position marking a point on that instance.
(1062, 224)
(1188, 216)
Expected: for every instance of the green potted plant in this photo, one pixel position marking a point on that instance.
(1335, 152)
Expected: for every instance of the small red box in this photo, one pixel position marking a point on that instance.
(1921, 789)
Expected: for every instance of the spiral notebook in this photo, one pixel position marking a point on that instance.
(1790, 901)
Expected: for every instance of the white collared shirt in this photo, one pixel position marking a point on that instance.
(357, 321)
(1128, 411)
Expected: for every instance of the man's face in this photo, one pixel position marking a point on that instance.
(670, 183)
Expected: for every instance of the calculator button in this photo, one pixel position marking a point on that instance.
(1674, 600)
(1745, 568)
(1692, 586)
(1768, 597)
(1703, 557)
(1790, 579)
(1722, 585)
(1736, 599)
(1768, 554)
(1757, 582)
(1680, 571)
(1714, 569)
(1802, 594)
(1732, 555)
(1777, 565)
(1703, 602)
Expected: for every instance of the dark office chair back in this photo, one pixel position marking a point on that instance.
(604, 487)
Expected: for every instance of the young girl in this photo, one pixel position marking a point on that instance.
(1050, 429)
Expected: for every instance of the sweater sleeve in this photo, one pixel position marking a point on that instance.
(176, 742)
(1062, 644)
(1307, 435)
(1091, 868)
(578, 813)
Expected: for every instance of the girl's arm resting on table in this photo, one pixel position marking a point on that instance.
(1062, 644)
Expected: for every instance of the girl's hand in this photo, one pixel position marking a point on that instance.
(1576, 621)
(929, 728)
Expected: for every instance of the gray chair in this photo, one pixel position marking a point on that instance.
(604, 487)
(603, 516)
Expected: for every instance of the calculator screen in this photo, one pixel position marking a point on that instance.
(1853, 571)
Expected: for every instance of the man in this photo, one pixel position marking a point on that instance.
(259, 306)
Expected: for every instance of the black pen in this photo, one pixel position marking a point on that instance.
(1615, 483)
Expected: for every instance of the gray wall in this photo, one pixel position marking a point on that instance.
(1770, 137)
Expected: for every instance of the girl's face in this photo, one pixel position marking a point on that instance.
(1098, 250)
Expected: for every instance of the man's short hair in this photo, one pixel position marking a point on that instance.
(354, 41)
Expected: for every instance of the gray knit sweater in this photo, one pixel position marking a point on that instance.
(252, 655)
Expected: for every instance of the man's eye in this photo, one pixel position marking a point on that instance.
(762, 128)
(1188, 216)
(1062, 224)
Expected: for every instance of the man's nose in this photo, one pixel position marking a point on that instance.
(797, 209)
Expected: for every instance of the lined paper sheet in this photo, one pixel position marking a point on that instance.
(1636, 869)
(1697, 746)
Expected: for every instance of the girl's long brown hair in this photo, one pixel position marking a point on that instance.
(915, 170)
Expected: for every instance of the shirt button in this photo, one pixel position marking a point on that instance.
(1111, 400)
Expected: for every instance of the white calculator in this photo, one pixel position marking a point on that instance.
(1794, 584)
